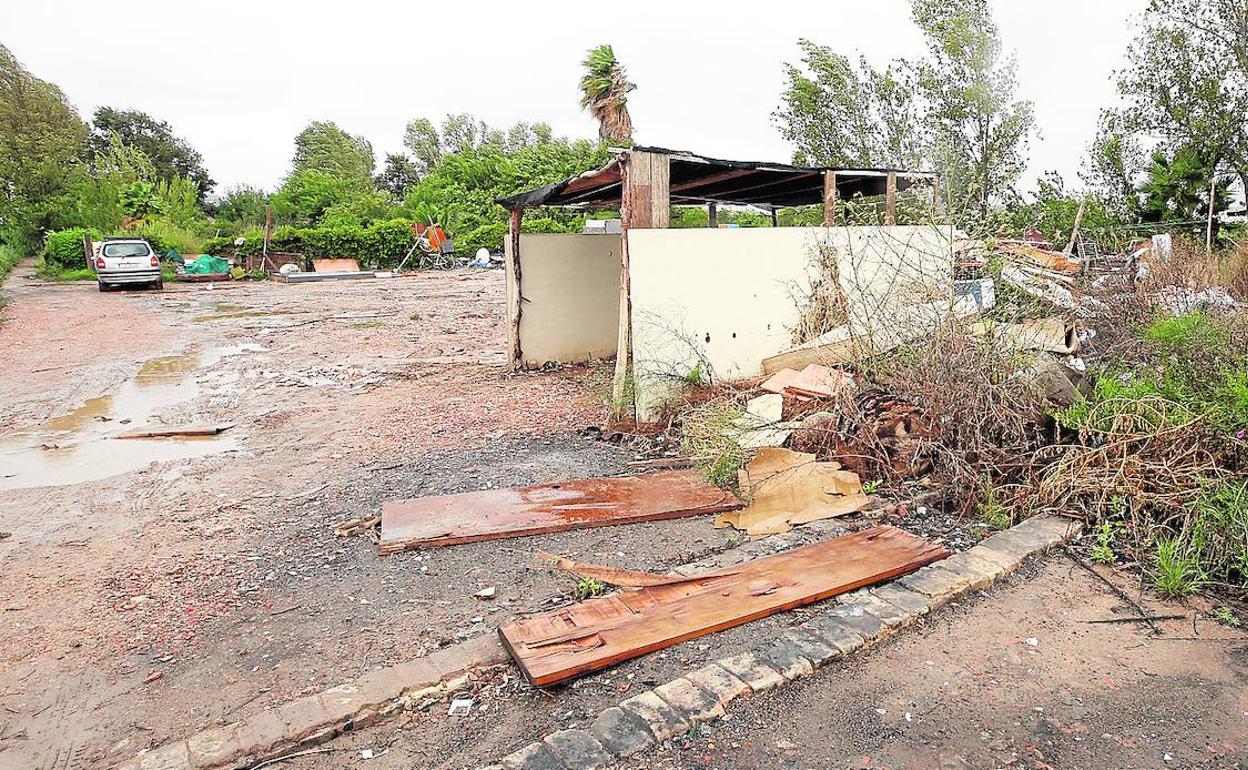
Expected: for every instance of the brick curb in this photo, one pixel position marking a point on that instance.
(861, 618)
(316, 718)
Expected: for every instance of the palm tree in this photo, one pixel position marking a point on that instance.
(604, 92)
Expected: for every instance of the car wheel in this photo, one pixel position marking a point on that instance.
(103, 286)
(160, 284)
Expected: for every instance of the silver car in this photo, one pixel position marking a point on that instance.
(125, 262)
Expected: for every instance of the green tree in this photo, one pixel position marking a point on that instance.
(399, 175)
(1177, 188)
(171, 156)
(838, 113)
(1113, 166)
(242, 206)
(325, 148)
(604, 92)
(42, 146)
(980, 131)
(140, 202)
(1186, 80)
(954, 110)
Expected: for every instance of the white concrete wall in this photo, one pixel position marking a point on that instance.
(731, 297)
(571, 290)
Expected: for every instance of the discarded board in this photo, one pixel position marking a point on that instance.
(335, 266)
(176, 431)
(814, 381)
(787, 488)
(555, 646)
(430, 522)
(318, 277)
(613, 575)
(1053, 335)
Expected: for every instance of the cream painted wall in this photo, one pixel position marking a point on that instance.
(571, 290)
(731, 297)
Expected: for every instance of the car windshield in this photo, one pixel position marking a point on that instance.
(126, 250)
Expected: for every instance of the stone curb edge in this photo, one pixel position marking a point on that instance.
(861, 619)
(317, 718)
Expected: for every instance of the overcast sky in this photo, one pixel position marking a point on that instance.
(239, 78)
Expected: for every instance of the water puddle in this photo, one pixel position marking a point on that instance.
(78, 447)
(222, 311)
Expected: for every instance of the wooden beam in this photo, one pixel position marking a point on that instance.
(514, 299)
(712, 215)
(829, 198)
(890, 210)
(724, 176)
(620, 391)
(647, 190)
(775, 217)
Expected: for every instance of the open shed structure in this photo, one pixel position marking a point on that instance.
(658, 299)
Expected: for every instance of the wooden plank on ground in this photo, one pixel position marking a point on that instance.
(429, 522)
(558, 645)
(174, 431)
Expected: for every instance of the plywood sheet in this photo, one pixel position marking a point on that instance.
(429, 522)
(335, 266)
(558, 645)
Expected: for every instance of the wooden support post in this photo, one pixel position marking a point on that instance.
(514, 298)
(645, 203)
(775, 217)
(890, 210)
(1074, 231)
(1213, 196)
(829, 199)
(88, 251)
(712, 215)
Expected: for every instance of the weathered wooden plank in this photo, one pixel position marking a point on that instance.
(561, 644)
(890, 203)
(514, 299)
(430, 522)
(829, 198)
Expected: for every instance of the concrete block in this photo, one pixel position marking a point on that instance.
(749, 669)
(621, 732)
(577, 749)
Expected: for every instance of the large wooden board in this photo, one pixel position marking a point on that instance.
(428, 522)
(564, 643)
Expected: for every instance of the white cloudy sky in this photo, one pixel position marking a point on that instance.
(240, 78)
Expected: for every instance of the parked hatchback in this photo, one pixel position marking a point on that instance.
(125, 262)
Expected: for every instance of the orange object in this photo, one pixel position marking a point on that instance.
(437, 237)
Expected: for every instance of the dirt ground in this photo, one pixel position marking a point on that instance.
(149, 589)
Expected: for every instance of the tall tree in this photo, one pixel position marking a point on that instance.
(42, 145)
(604, 92)
(171, 156)
(955, 109)
(839, 113)
(1186, 81)
(326, 148)
(980, 129)
(399, 175)
(1113, 166)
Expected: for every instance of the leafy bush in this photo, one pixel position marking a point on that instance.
(492, 237)
(63, 248)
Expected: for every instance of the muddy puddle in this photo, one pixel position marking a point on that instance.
(79, 446)
(222, 312)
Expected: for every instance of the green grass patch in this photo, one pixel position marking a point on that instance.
(48, 271)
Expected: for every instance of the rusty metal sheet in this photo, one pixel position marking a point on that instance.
(554, 646)
(428, 522)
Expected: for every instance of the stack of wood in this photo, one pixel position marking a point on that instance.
(883, 434)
